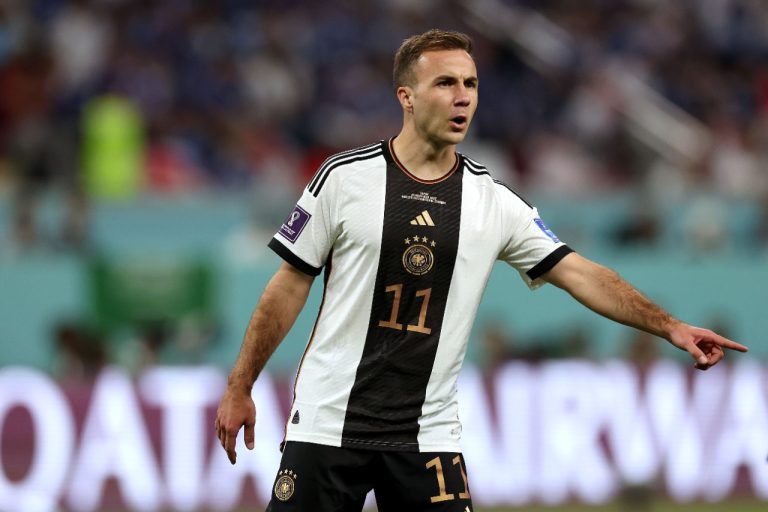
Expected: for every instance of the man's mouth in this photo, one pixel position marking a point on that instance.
(459, 122)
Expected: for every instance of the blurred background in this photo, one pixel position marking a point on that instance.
(149, 150)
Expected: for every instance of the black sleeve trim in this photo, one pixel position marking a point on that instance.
(291, 258)
(549, 262)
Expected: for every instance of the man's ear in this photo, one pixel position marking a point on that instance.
(405, 96)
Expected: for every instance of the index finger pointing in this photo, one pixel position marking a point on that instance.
(726, 343)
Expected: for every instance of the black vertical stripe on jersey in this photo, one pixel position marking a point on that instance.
(390, 385)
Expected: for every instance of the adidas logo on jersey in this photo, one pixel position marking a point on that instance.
(296, 418)
(423, 219)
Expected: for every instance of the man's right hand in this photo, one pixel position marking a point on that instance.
(280, 304)
(236, 410)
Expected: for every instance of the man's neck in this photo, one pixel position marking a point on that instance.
(423, 159)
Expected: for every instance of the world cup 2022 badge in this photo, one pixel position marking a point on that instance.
(285, 485)
(418, 257)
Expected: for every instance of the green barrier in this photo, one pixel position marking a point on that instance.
(132, 291)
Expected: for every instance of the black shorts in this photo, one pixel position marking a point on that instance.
(318, 478)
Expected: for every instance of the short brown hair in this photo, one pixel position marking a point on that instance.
(414, 46)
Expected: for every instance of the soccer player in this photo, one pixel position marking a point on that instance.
(407, 231)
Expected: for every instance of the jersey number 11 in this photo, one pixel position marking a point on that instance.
(392, 323)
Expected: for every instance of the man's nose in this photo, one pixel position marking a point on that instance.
(463, 98)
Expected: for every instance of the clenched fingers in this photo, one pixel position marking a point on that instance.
(712, 360)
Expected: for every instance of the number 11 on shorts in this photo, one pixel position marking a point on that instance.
(443, 495)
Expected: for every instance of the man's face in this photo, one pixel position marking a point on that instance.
(444, 95)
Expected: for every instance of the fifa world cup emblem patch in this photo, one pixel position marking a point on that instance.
(285, 485)
(418, 257)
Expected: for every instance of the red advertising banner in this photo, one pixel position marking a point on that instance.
(550, 432)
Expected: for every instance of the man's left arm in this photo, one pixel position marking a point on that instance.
(602, 290)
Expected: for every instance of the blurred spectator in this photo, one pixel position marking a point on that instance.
(575, 343)
(643, 349)
(165, 342)
(705, 224)
(113, 148)
(40, 159)
(80, 39)
(560, 167)
(497, 347)
(143, 348)
(640, 230)
(735, 168)
(80, 352)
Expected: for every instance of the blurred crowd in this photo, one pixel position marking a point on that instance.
(178, 96)
(118, 99)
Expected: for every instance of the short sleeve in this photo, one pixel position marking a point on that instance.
(528, 245)
(308, 232)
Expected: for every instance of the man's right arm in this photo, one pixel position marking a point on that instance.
(277, 310)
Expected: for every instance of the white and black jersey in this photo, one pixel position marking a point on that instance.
(406, 262)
